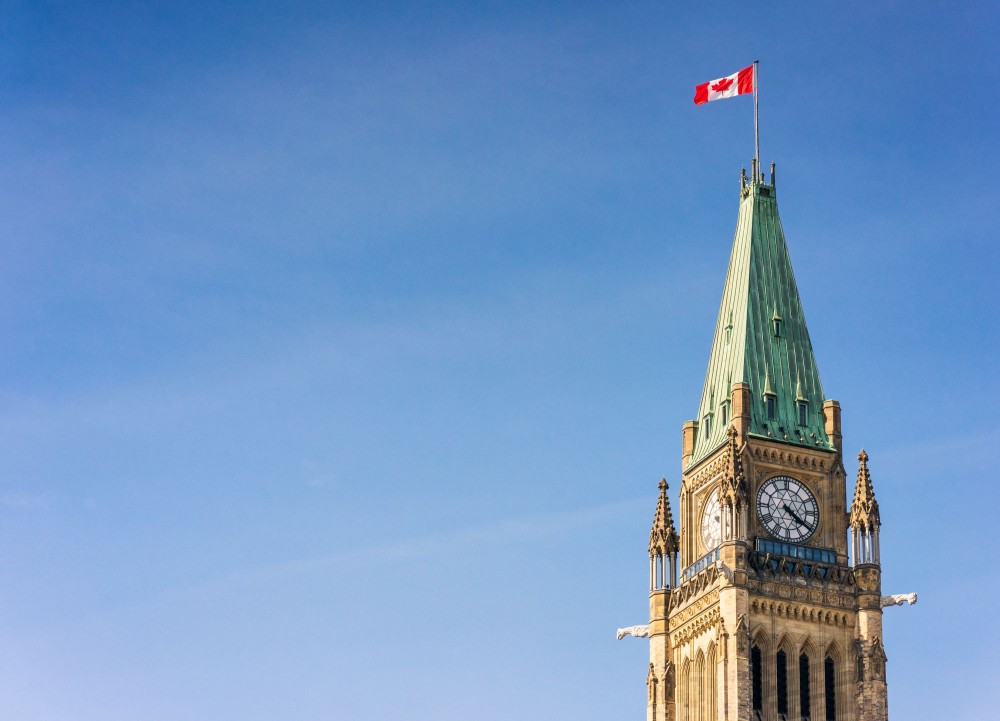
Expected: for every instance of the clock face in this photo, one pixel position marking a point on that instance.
(787, 509)
(711, 521)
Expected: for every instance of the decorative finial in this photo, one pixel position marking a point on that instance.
(733, 489)
(772, 174)
(768, 388)
(864, 510)
(663, 538)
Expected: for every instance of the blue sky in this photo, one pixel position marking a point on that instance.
(343, 345)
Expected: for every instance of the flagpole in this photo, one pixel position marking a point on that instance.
(756, 129)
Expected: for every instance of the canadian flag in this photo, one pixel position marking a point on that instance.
(736, 84)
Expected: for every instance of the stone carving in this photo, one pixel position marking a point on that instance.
(742, 634)
(636, 631)
(725, 570)
(668, 681)
(733, 491)
(695, 628)
(663, 538)
(899, 599)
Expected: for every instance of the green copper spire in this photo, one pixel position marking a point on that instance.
(761, 338)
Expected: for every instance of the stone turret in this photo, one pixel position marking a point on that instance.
(864, 517)
(871, 692)
(664, 545)
(733, 492)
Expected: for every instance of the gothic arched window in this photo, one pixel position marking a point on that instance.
(711, 689)
(756, 682)
(698, 688)
(830, 682)
(804, 699)
(684, 691)
(781, 664)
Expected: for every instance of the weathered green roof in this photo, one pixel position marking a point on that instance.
(760, 294)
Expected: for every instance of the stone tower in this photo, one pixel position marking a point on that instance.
(759, 611)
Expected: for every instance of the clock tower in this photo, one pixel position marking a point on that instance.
(765, 603)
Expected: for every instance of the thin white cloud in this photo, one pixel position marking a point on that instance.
(23, 500)
(528, 528)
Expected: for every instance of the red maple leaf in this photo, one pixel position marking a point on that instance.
(722, 85)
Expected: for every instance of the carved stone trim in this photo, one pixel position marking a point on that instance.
(801, 612)
(793, 458)
(702, 624)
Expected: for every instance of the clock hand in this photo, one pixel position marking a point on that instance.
(792, 513)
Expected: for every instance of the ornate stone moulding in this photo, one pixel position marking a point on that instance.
(706, 474)
(799, 612)
(684, 615)
(695, 586)
(765, 566)
(706, 622)
(791, 459)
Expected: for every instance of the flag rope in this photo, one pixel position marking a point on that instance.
(756, 127)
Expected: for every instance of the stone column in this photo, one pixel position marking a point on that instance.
(740, 400)
(661, 706)
(734, 608)
(870, 691)
(831, 415)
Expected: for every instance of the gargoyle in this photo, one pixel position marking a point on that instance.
(725, 570)
(899, 599)
(637, 631)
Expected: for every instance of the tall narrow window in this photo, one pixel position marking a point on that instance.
(771, 405)
(803, 409)
(804, 700)
(684, 690)
(830, 678)
(724, 412)
(781, 664)
(711, 686)
(706, 425)
(756, 682)
(699, 688)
